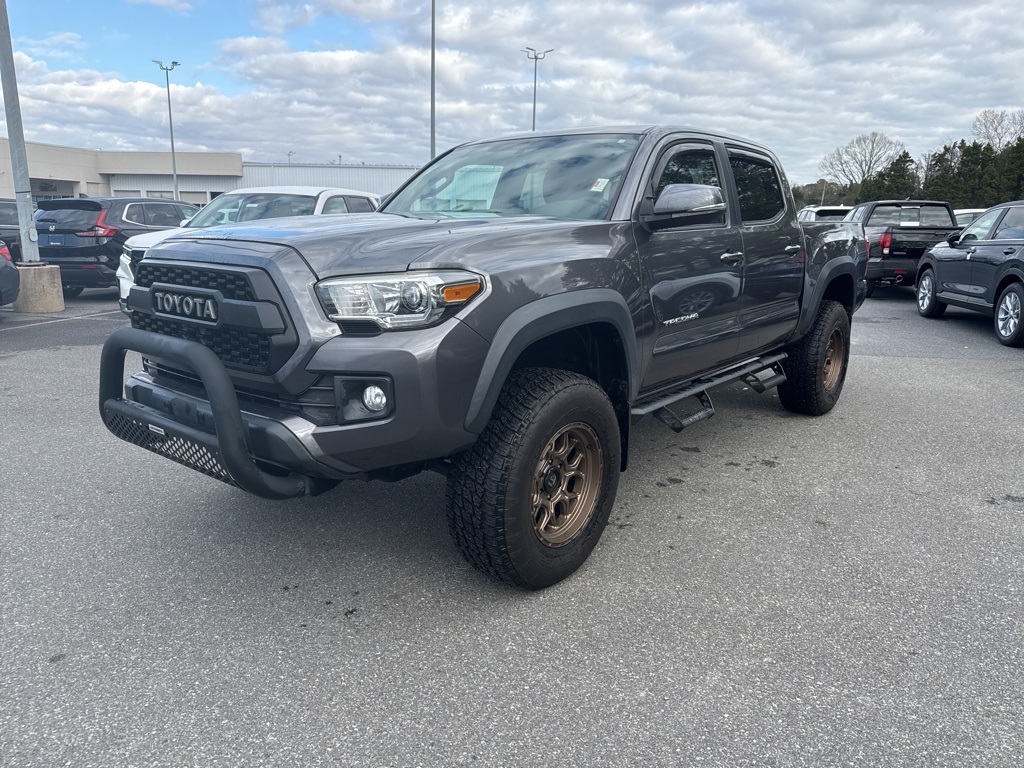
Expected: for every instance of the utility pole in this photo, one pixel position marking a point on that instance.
(534, 55)
(170, 120)
(16, 138)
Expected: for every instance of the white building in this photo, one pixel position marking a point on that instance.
(71, 172)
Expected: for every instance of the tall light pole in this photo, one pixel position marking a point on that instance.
(534, 55)
(170, 120)
(433, 121)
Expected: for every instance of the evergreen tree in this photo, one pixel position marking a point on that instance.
(897, 181)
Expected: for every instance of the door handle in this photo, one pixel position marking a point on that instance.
(732, 258)
(1009, 251)
(970, 252)
(793, 248)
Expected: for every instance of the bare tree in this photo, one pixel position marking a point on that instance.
(1017, 124)
(995, 127)
(865, 155)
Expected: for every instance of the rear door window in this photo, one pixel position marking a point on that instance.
(135, 213)
(758, 187)
(162, 215)
(1012, 226)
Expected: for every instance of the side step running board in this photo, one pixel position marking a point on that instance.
(670, 419)
(658, 405)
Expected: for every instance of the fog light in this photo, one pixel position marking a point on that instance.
(374, 399)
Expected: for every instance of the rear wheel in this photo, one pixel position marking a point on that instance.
(1009, 328)
(870, 288)
(70, 291)
(927, 304)
(528, 502)
(816, 366)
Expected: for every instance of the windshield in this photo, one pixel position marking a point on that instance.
(229, 209)
(569, 177)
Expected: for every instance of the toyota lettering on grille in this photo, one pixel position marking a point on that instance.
(184, 305)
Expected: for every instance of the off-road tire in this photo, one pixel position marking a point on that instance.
(503, 493)
(816, 366)
(1008, 318)
(869, 289)
(927, 304)
(71, 291)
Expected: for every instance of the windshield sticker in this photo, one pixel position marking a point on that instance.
(599, 185)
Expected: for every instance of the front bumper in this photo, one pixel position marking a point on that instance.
(281, 455)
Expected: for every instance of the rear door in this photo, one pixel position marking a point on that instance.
(773, 252)
(692, 271)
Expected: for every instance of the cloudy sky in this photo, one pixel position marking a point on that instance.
(324, 78)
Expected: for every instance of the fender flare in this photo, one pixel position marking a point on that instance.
(541, 318)
(809, 310)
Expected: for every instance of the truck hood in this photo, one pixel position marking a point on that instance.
(378, 242)
(149, 239)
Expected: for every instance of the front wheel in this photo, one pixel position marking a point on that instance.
(1009, 328)
(529, 501)
(816, 366)
(71, 291)
(927, 303)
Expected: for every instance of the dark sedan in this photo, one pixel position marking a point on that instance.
(980, 268)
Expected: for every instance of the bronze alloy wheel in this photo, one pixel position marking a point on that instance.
(832, 371)
(566, 484)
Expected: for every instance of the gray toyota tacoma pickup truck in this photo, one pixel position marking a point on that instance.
(504, 319)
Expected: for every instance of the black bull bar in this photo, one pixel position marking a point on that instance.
(224, 455)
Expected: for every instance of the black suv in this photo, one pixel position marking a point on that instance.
(85, 236)
(980, 268)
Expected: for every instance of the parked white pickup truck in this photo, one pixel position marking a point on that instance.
(241, 205)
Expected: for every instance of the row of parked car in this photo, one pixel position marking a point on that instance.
(97, 241)
(969, 258)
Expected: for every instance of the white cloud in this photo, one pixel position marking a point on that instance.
(795, 75)
(64, 45)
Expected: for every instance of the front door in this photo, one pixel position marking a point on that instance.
(693, 273)
(1005, 243)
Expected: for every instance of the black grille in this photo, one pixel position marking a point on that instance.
(184, 452)
(233, 346)
(135, 256)
(319, 403)
(231, 285)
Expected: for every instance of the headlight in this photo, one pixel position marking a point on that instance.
(404, 300)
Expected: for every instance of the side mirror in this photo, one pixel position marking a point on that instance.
(184, 222)
(953, 239)
(683, 204)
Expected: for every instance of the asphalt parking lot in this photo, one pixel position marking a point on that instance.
(773, 590)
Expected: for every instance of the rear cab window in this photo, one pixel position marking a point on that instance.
(911, 216)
